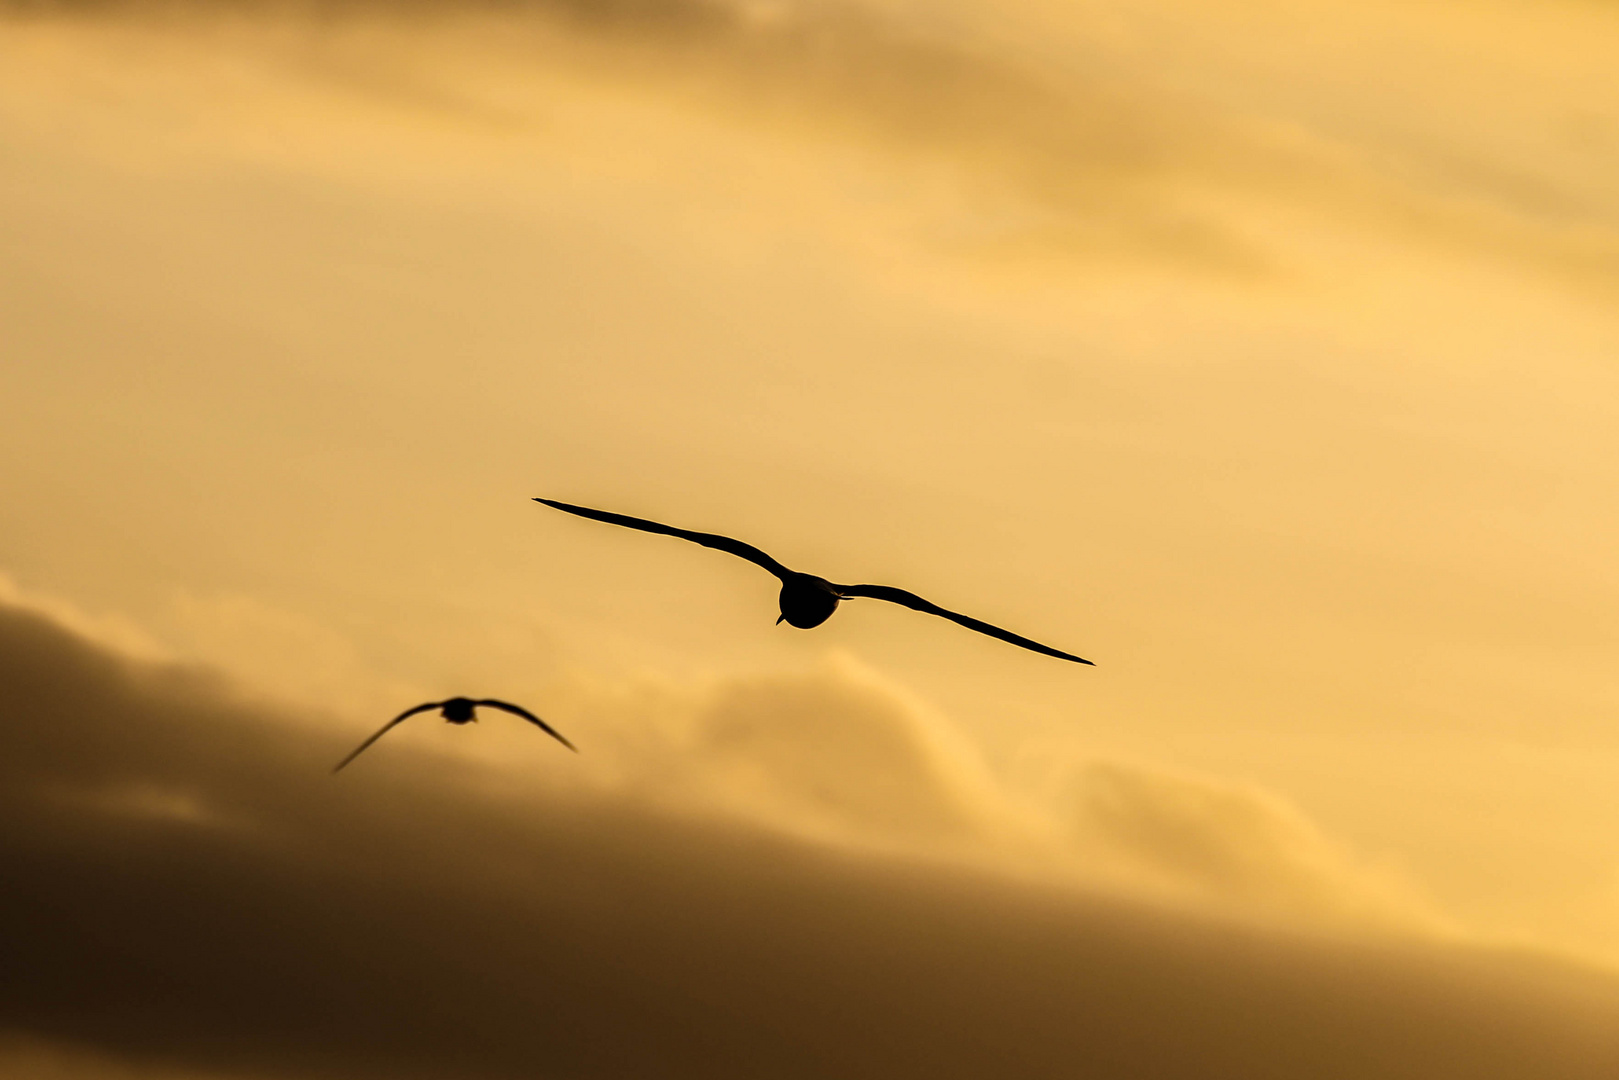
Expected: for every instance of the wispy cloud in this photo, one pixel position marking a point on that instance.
(1085, 152)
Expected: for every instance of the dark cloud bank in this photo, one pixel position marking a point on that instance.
(187, 886)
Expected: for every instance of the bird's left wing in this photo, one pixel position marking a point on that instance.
(916, 603)
(518, 710)
(386, 728)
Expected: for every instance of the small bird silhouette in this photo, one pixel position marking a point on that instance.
(807, 600)
(459, 710)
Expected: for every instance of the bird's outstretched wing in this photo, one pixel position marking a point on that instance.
(518, 710)
(387, 727)
(712, 540)
(915, 602)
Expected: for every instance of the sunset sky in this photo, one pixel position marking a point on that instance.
(1265, 353)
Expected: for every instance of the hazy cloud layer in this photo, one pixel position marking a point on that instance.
(190, 890)
(1032, 131)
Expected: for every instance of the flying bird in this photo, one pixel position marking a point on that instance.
(460, 710)
(807, 600)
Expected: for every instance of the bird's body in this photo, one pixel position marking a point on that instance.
(806, 600)
(460, 710)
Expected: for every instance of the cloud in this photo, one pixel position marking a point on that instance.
(191, 893)
(1031, 134)
(25, 1058)
(997, 156)
(1233, 844)
(841, 743)
(111, 631)
(842, 754)
(836, 751)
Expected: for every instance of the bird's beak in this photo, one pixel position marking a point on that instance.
(779, 618)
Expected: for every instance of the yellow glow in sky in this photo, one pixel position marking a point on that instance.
(1263, 353)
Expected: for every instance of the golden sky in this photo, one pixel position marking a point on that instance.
(1264, 353)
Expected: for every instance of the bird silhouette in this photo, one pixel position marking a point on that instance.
(460, 710)
(807, 600)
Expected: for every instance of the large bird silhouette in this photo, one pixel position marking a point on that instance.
(807, 600)
(460, 710)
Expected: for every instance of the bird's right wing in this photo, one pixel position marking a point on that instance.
(916, 603)
(518, 710)
(386, 728)
(710, 540)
